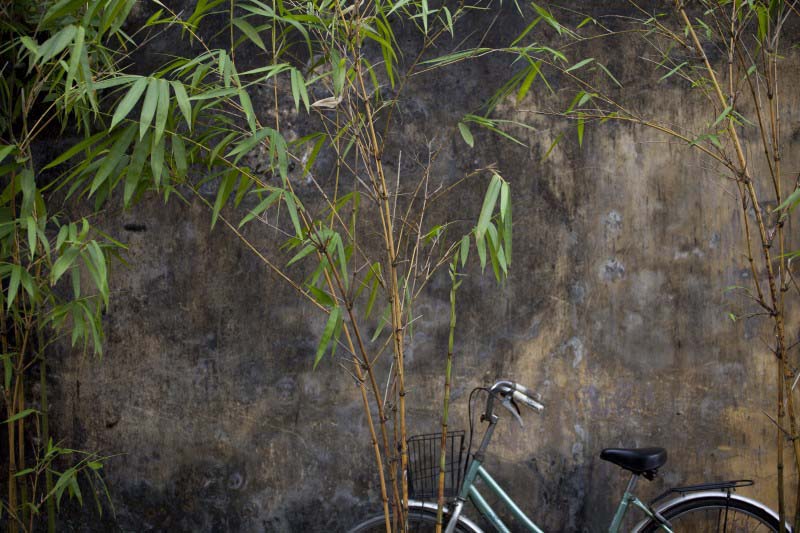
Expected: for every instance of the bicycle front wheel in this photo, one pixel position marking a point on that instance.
(419, 521)
(715, 514)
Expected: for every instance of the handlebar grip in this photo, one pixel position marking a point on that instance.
(527, 392)
(525, 399)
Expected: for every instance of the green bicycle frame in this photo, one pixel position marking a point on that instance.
(469, 489)
(476, 471)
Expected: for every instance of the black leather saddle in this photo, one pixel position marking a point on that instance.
(638, 460)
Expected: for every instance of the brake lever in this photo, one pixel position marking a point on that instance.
(509, 403)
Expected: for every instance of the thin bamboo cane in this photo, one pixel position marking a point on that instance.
(446, 403)
(765, 241)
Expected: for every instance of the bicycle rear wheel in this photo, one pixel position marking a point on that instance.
(419, 521)
(715, 514)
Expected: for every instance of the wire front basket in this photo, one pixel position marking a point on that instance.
(423, 465)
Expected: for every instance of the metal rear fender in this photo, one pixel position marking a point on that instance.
(691, 496)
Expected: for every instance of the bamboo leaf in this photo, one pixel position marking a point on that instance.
(245, 183)
(505, 193)
(222, 92)
(325, 341)
(373, 294)
(59, 10)
(261, 207)
(340, 252)
(157, 160)
(149, 107)
(135, 167)
(179, 155)
(62, 483)
(397, 5)
(224, 192)
(525, 86)
(464, 250)
(7, 149)
(83, 145)
(302, 89)
(57, 43)
(250, 32)
(99, 259)
(243, 147)
(553, 145)
(291, 206)
(301, 254)
(64, 262)
(722, 115)
(295, 88)
(162, 110)
(763, 16)
(480, 245)
(507, 226)
(321, 297)
(76, 282)
(489, 202)
(247, 107)
(580, 64)
(673, 71)
(129, 101)
(183, 102)
(30, 222)
(75, 490)
(61, 237)
(466, 134)
(383, 322)
(580, 129)
(13, 284)
(609, 74)
(113, 158)
(75, 57)
(790, 200)
(548, 17)
(492, 248)
(19, 416)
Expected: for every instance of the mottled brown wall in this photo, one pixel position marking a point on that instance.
(614, 311)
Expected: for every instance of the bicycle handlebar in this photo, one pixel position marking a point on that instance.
(510, 393)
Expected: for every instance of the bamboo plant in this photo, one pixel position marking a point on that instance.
(53, 264)
(215, 121)
(743, 135)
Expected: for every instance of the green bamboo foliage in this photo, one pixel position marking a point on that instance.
(196, 124)
(742, 91)
(54, 270)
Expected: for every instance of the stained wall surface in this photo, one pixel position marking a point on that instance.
(614, 311)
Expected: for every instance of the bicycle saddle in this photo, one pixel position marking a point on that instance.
(637, 460)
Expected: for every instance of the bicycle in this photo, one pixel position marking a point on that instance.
(695, 508)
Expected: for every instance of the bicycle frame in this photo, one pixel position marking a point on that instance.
(476, 471)
(469, 490)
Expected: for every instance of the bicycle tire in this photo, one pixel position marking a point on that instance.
(715, 514)
(420, 520)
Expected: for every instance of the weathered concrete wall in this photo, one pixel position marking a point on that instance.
(614, 311)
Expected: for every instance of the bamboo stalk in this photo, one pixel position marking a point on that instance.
(765, 241)
(11, 395)
(12, 467)
(446, 402)
(25, 511)
(394, 294)
(50, 507)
